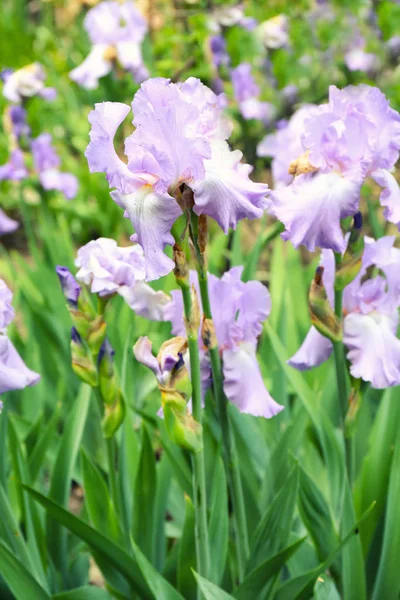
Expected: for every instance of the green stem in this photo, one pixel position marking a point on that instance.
(112, 473)
(228, 441)
(341, 375)
(199, 477)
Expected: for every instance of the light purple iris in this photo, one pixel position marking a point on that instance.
(220, 56)
(7, 225)
(190, 115)
(370, 323)
(47, 164)
(285, 144)
(25, 83)
(108, 268)
(357, 59)
(71, 289)
(18, 117)
(239, 310)
(14, 374)
(247, 92)
(116, 31)
(14, 169)
(354, 136)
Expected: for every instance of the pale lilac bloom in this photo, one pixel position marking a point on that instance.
(71, 289)
(354, 136)
(246, 93)
(239, 310)
(25, 83)
(284, 145)
(14, 374)
(7, 225)
(357, 59)
(47, 164)
(370, 308)
(116, 31)
(108, 268)
(190, 116)
(393, 47)
(14, 169)
(274, 32)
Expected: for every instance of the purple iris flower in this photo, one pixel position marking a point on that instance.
(370, 306)
(71, 289)
(47, 164)
(239, 310)
(18, 121)
(14, 169)
(25, 83)
(354, 136)
(116, 31)
(246, 92)
(218, 50)
(14, 374)
(108, 268)
(191, 115)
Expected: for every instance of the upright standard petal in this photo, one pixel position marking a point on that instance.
(243, 384)
(226, 193)
(145, 301)
(314, 351)
(152, 215)
(7, 225)
(311, 209)
(374, 350)
(14, 374)
(390, 195)
(100, 153)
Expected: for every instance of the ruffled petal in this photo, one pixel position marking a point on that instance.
(374, 350)
(100, 153)
(93, 68)
(152, 215)
(315, 350)
(243, 384)
(311, 209)
(390, 195)
(7, 225)
(145, 301)
(226, 193)
(143, 353)
(14, 374)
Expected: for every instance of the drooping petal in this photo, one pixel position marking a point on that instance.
(390, 195)
(100, 153)
(143, 353)
(311, 209)
(66, 183)
(152, 215)
(374, 350)
(6, 309)
(314, 351)
(93, 68)
(130, 57)
(145, 301)
(7, 225)
(243, 383)
(14, 374)
(227, 194)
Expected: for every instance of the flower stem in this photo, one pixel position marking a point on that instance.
(112, 474)
(341, 375)
(199, 478)
(228, 441)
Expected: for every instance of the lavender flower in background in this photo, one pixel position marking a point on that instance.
(357, 59)
(191, 115)
(26, 83)
(354, 136)
(239, 310)
(17, 119)
(219, 54)
(108, 268)
(7, 225)
(370, 306)
(14, 169)
(116, 31)
(14, 374)
(47, 164)
(274, 32)
(246, 93)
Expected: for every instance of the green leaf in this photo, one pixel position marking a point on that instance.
(187, 554)
(113, 554)
(160, 587)
(22, 584)
(36, 460)
(353, 566)
(274, 528)
(61, 477)
(88, 592)
(144, 497)
(218, 528)
(301, 587)
(211, 591)
(254, 584)
(387, 583)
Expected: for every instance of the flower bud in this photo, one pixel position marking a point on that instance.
(82, 362)
(70, 287)
(351, 263)
(181, 427)
(353, 410)
(107, 382)
(322, 315)
(96, 335)
(114, 416)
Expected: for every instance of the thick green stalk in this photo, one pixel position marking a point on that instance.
(112, 473)
(199, 477)
(228, 441)
(341, 375)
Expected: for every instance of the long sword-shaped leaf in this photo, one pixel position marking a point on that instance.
(22, 584)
